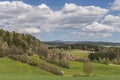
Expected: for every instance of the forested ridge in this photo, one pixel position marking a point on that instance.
(20, 43)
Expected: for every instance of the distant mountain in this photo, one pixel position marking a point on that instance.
(58, 42)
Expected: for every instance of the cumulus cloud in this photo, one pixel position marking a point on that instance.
(25, 18)
(30, 30)
(97, 27)
(112, 21)
(72, 8)
(96, 30)
(116, 5)
(80, 15)
(89, 35)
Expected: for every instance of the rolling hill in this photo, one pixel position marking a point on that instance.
(11, 67)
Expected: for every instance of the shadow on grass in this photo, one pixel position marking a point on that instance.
(78, 75)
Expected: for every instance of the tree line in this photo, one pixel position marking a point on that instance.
(82, 46)
(106, 55)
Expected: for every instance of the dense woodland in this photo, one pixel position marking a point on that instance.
(106, 55)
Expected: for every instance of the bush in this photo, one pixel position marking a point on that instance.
(48, 68)
(87, 67)
(34, 59)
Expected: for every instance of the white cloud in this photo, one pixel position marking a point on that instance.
(72, 8)
(97, 27)
(90, 35)
(43, 6)
(30, 30)
(22, 17)
(112, 21)
(95, 30)
(80, 15)
(116, 5)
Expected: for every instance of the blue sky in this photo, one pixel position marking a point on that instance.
(58, 4)
(68, 20)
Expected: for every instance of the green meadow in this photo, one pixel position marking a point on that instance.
(15, 70)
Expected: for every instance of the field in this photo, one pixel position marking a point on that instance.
(98, 69)
(15, 70)
(11, 67)
(28, 77)
(78, 53)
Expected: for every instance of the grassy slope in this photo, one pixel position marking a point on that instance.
(14, 70)
(59, 78)
(98, 69)
(11, 67)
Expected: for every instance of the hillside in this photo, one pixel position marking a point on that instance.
(15, 70)
(23, 56)
(28, 49)
(11, 67)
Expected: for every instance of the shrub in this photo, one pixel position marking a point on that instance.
(48, 68)
(34, 59)
(87, 67)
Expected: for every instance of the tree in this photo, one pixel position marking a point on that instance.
(43, 51)
(87, 67)
(63, 59)
(34, 60)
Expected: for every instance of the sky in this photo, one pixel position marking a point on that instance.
(67, 20)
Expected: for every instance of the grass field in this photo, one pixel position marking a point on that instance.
(78, 53)
(31, 77)
(98, 69)
(15, 70)
(11, 67)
